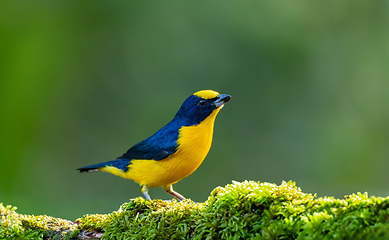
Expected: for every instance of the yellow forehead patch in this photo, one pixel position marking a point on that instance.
(206, 94)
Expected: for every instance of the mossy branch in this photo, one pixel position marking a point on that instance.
(241, 210)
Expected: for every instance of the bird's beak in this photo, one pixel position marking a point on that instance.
(221, 99)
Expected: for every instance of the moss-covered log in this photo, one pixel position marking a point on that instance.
(237, 211)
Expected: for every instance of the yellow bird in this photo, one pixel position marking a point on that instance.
(173, 152)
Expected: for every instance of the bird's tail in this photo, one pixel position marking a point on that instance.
(92, 168)
(120, 163)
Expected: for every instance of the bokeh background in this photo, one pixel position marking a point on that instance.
(82, 81)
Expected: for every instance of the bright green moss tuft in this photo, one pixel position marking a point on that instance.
(240, 210)
(157, 219)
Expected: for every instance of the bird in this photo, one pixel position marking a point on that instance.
(173, 152)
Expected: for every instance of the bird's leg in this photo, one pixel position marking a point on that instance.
(169, 189)
(145, 192)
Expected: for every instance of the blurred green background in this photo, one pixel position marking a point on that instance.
(82, 81)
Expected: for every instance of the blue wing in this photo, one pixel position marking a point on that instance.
(157, 147)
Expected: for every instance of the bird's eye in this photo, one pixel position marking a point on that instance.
(202, 102)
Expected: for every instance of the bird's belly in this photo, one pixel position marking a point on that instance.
(194, 144)
(164, 172)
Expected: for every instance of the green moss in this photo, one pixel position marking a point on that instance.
(237, 211)
(19, 226)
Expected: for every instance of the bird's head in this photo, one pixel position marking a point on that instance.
(200, 105)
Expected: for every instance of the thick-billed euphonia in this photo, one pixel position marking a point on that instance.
(173, 152)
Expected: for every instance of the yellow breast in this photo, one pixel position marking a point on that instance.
(194, 143)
